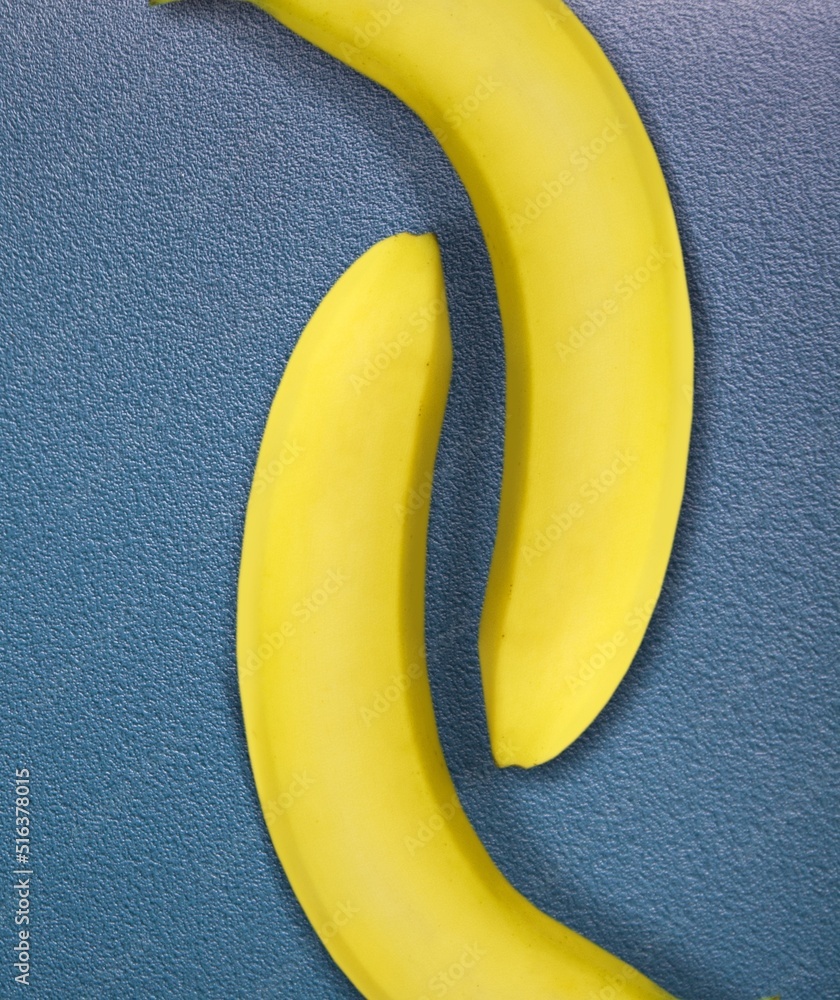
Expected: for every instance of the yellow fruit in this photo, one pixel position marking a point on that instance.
(593, 299)
(338, 712)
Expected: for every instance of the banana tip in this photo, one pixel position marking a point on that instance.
(508, 753)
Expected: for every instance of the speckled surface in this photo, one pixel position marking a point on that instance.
(178, 189)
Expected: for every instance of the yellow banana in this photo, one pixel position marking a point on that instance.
(595, 311)
(338, 712)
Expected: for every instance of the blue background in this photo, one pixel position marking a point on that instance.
(178, 190)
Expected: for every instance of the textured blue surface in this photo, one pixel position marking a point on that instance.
(178, 189)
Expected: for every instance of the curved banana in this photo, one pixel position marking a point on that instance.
(338, 711)
(593, 299)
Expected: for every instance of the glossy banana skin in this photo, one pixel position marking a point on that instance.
(597, 326)
(338, 711)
